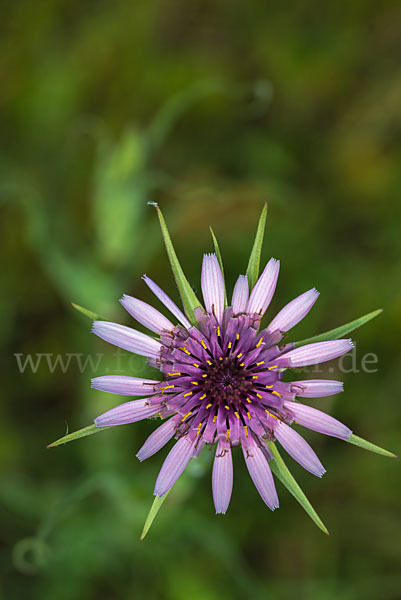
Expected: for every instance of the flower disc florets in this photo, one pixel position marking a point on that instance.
(221, 376)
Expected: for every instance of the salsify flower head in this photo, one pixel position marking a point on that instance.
(221, 381)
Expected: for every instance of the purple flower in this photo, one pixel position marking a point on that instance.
(222, 381)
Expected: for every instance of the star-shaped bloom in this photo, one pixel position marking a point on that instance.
(221, 381)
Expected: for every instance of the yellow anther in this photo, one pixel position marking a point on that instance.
(262, 362)
(237, 415)
(246, 430)
(203, 397)
(228, 435)
(249, 415)
(194, 383)
(168, 387)
(172, 374)
(241, 364)
(248, 400)
(203, 344)
(186, 416)
(187, 394)
(237, 336)
(270, 414)
(273, 367)
(209, 405)
(218, 331)
(199, 428)
(196, 365)
(259, 342)
(205, 375)
(229, 345)
(277, 393)
(269, 386)
(185, 350)
(258, 395)
(255, 377)
(220, 358)
(227, 407)
(214, 419)
(239, 355)
(209, 362)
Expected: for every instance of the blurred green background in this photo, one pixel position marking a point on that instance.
(210, 109)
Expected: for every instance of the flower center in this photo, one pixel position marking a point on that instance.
(226, 383)
(227, 380)
(220, 379)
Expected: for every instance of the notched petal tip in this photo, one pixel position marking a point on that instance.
(314, 353)
(222, 477)
(297, 447)
(316, 388)
(317, 420)
(260, 472)
(174, 465)
(293, 312)
(167, 301)
(213, 287)
(263, 291)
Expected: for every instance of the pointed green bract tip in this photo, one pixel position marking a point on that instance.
(280, 470)
(154, 509)
(88, 313)
(70, 437)
(342, 331)
(189, 300)
(254, 260)
(358, 441)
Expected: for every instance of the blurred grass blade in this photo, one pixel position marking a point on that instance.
(342, 331)
(254, 260)
(281, 471)
(156, 506)
(177, 105)
(188, 297)
(119, 196)
(70, 437)
(357, 441)
(218, 254)
(88, 313)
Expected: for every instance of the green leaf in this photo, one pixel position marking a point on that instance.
(88, 313)
(357, 441)
(281, 471)
(154, 509)
(342, 331)
(188, 297)
(254, 260)
(70, 437)
(218, 254)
